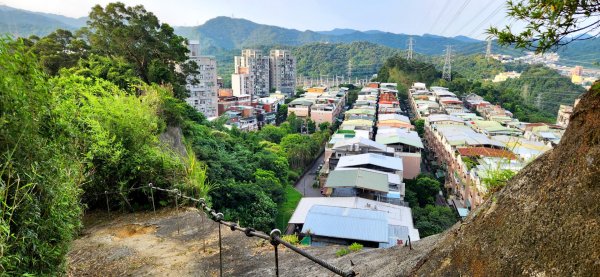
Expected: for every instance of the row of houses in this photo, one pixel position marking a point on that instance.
(362, 178)
(471, 140)
(320, 104)
(247, 113)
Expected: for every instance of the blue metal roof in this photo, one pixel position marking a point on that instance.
(347, 223)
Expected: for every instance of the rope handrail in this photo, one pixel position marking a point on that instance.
(274, 237)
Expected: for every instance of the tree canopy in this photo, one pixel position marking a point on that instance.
(550, 23)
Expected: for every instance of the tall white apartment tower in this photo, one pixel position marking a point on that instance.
(203, 94)
(256, 66)
(283, 71)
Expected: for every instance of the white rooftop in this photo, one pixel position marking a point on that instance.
(396, 215)
(373, 159)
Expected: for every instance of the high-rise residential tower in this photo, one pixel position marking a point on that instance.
(203, 94)
(256, 66)
(283, 71)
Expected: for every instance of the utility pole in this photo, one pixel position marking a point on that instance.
(409, 55)
(447, 70)
(488, 49)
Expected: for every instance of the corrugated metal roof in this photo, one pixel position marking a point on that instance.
(392, 177)
(400, 136)
(358, 178)
(362, 142)
(373, 159)
(347, 223)
(383, 117)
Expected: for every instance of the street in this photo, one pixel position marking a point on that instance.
(304, 185)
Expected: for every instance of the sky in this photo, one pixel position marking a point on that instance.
(416, 17)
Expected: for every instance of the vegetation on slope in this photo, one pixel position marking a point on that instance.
(84, 130)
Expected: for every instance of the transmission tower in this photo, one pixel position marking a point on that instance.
(447, 70)
(409, 55)
(488, 49)
(349, 68)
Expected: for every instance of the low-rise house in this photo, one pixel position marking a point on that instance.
(407, 145)
(444, 119)
(373, 161)
(300, 107)
(225, 103)
(358, 125)
(354, 146)
(394, 121)
(525, 149)
(398, 218)
(451, 105)
(493, 128)
(564, 114)
(365, 183)
(360, 113)
(549, 134)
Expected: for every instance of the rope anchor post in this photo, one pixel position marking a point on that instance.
(275, 233)
(218, 219)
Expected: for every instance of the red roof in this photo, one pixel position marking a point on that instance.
(485, 152)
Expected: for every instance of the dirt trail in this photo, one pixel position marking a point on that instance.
(185, 243)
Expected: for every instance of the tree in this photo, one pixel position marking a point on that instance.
(550, 23)
(425, 189)
(420, 126)
(311, 126)
(58, 50)
(272, 133)
(323, 126)
(281, 115)
(431, 220)
(270, 184)
(295, 123)
(136, 35)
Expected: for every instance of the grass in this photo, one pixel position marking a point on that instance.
(286, 209)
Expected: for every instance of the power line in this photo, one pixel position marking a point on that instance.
(456, 15)
(437, 19)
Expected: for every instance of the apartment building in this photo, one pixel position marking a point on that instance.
(283, 71)
(203, 86)
(253, 63)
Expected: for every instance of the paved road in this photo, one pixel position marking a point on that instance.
(304, 185)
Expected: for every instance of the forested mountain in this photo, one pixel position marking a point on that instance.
(363, 58)
(234, 33)
(26, 23)
(543, 88)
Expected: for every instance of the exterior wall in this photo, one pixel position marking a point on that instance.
(322, 116)
(283, 71)
(299, 111)
(411, 162)
(240, 84)
(203, 95)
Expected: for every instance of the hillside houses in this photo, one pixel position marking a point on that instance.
(362, 179)
(471, 139)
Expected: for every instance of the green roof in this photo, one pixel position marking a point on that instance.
(393, 138)
(358, 178)
(361, 111)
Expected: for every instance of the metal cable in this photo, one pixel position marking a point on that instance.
(274, 238)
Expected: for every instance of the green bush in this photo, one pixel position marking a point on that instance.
(291, 239)
(355, 247)
(342, 252)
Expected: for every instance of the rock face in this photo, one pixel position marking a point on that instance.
(545, 222)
